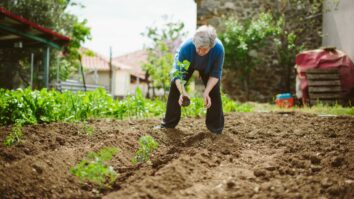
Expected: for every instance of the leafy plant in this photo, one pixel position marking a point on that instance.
(195, 109)
(15, 135)
(31, 107)
(136, 105)
(231, 106)
(147, 146)
(87, 129)
(94, 168)
(163, 43)
(181, 71)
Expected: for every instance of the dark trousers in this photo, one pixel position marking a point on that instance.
(214, 117)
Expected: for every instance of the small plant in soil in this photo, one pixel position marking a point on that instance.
(180, 73)
(147, 146)
(94, 168)
(15, 136)
(87, 128)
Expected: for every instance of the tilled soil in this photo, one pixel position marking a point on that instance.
(259, 155)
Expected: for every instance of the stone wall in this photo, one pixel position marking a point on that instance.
(212, 11)
(268, 79)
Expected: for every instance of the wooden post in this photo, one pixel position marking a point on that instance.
(46, 66)
(32, 63)
(110, 71)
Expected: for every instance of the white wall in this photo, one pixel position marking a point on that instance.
(338, 26)
(121, 83)
(102, 78)
(142, 86)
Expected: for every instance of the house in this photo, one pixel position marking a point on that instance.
(126, 74)
(137, 78)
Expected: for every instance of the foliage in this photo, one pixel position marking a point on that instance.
(300, 20)
(294, 25)
(287, 48)
(182, 71)
(243, 39)
(42, 106)
(195, 109)
(232, 106)
(15, 136)
(52, 14)
(71, 62)
(164, 42)
(87, 129)
(136, 105)
(94, 168)
(147, 146)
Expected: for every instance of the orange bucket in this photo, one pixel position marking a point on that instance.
(284, 100)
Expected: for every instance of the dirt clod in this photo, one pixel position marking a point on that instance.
(337, 161)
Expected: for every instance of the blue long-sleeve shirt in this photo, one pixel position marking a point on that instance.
(211, 64)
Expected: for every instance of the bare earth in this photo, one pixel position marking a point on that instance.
(259, 155)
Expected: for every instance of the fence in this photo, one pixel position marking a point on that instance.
(73, 85)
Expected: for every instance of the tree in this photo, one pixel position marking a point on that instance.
(301, 24)
(286, 29)
(164, 42)
(242, 41)
(51, 14)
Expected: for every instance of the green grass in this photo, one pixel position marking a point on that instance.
(331, 110)
(320, 109)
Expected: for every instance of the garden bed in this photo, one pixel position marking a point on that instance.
(259, 155)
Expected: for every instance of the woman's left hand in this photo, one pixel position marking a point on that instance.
(207, 100)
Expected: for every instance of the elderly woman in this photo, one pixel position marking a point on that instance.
(206, 54)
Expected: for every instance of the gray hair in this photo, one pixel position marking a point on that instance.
(205, 37)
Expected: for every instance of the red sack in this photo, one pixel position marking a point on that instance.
(326, 59)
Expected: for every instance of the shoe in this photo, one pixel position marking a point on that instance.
(158, 127)
(216, 133)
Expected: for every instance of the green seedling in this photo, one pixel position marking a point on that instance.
(94, 168)
(147, 146)
(15, 136)
(88, 129)
(182, 70)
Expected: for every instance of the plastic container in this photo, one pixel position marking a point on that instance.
(284, 100)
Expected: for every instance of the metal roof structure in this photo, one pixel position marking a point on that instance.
(16, 31)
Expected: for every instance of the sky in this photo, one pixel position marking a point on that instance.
(119, 23)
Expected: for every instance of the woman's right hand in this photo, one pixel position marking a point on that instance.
(180, 100)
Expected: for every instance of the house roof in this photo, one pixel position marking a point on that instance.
(94, 62)
(100, 63)
(15, 28)
(134, 61)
